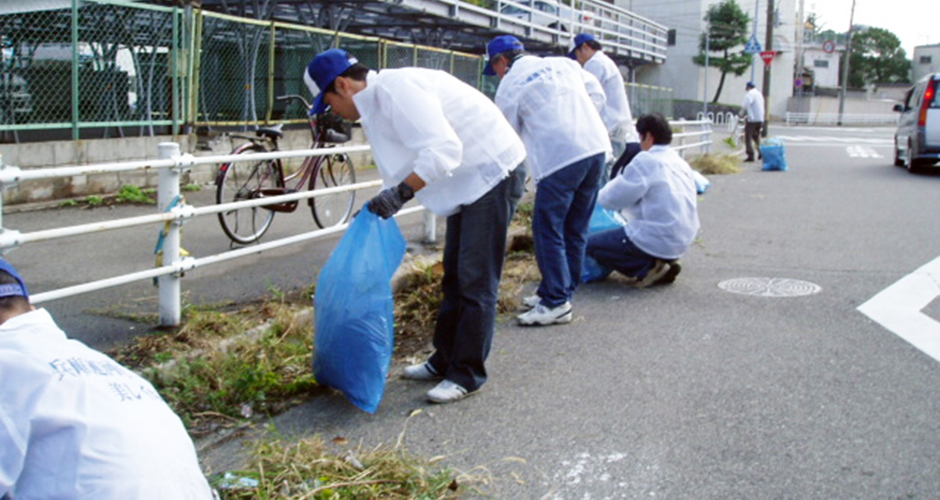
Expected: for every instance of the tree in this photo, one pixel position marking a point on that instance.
(877, 57)
(727, 28)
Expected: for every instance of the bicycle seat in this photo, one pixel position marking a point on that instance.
(270, 132)
(337, 137)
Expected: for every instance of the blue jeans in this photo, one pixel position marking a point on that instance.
(613, 250)
(474, 252)
(564, 202)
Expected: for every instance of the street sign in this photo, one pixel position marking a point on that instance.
(798, 83)
(752, 46)
(767, 56)
(829, 46)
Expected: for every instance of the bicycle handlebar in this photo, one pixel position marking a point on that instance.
(291, 97)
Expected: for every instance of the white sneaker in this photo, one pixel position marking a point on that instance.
(422, 371)
(447, 392)
(531, 301)
(544, 315)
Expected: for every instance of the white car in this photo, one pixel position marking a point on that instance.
(543, 13)
(917, 141)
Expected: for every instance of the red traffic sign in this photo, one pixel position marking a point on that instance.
(768, 55)
(829, 46)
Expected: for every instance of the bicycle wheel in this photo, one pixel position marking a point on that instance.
(238, 181)
(333, 209)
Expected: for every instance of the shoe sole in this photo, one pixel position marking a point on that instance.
(670, 277)
(444, 402)
(654, 276)
(564, 318)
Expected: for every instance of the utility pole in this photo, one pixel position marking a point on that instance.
(768, 46)
(756, 16)
(707, 49)
(845, 68)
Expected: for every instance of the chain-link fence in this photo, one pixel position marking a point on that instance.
(108, 68)
(104, 69)
(645, 99)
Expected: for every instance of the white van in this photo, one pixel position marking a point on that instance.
(917, 141)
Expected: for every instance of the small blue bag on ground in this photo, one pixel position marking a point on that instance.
(355, 320)
(774, 156)
(601, 220)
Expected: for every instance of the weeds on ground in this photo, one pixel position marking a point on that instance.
(311, 469)
(134, 194)
(716, 164)
(223, 367)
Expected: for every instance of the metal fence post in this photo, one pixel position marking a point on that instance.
(168, 190)
(430, 227)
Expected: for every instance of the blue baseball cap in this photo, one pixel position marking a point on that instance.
(322, 70)
(750, 85)
(579, 41)
(498, 45)
(17, 289)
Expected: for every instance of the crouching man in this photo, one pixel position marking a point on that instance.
(74, 424)
(656, 192)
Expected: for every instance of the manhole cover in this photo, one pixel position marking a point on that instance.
(769, 287)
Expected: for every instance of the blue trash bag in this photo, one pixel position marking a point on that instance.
(355, 320)
(601, 220)
(774, 156)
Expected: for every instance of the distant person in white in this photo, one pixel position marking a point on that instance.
(753, 109)
(656, 192)
(616, 112)
(74, 424)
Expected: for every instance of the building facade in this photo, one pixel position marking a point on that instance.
(696, 83)
(926, 60)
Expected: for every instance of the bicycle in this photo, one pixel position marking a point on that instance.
(237, 181)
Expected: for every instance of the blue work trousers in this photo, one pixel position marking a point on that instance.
(564, 202)
(613, 250)
(474, 252)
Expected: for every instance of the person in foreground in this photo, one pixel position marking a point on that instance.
(74, 424)
(616, 113)
(657, 193)
(438, 139)
(553, 103)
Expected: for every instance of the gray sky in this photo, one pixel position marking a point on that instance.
(915, 22)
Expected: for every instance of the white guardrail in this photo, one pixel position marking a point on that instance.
(846, 118)
(171, 164)
(702, 137)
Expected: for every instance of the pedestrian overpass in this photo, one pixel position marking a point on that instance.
(545, 26)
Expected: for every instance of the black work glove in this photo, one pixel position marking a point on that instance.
(389, 201)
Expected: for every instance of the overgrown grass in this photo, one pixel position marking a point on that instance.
(310, 469)
(716, 164)
(222, 367)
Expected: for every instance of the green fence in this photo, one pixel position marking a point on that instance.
(107, 68)
(102, 64)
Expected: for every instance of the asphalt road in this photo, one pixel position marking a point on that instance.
(694, 392)
(689, 391)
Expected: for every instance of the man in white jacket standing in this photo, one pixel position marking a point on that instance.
(553, 104)
(74, 424)
(753, 109)
(657, 193)
(616, 112)
(438, 139)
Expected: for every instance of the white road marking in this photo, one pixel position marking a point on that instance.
(843, 140)
(862, 152)
(898, 308)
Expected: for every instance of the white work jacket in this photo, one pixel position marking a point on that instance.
(74, 424)
(448, 133)
(753, 106)
(616, 112)
(657, 194)
(553, 103)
